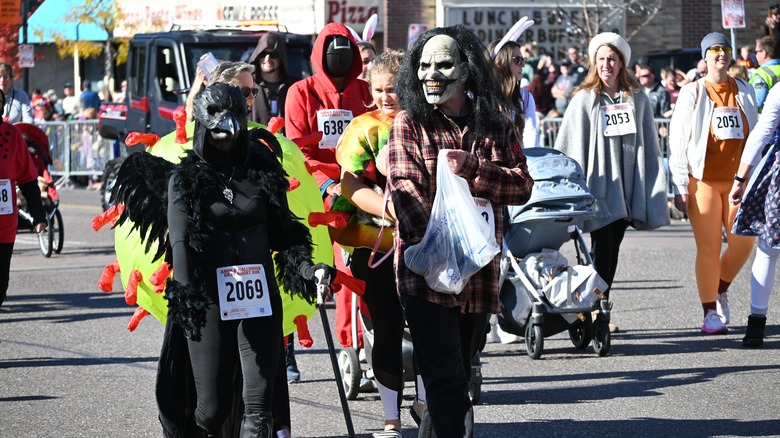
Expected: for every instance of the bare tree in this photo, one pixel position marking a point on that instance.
(586, 18)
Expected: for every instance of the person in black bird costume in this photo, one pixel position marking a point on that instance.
(227, 214)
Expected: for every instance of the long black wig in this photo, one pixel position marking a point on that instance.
(483, 90)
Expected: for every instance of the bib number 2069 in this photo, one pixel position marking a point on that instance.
(244, 290)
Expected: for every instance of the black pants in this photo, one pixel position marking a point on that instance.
(6, 249)
(605, 247)
(444, 342)
(387, 318)
(257, 343)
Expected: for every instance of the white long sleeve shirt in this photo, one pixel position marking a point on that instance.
(764, 130)
(690, 126)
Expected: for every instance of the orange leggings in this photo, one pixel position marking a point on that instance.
(709, 211)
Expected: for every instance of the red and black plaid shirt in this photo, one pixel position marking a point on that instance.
(496, 171)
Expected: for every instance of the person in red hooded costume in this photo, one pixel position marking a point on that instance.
(327, 101)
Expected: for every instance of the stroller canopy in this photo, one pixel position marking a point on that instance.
(559, 190)
(36, 139)
(559, 199)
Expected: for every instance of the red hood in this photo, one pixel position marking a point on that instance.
(318, 51)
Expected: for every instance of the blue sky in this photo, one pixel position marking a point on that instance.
(48, 18)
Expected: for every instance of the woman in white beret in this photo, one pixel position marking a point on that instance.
(609, 129)
(707, 135)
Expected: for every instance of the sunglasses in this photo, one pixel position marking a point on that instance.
(717, 49)
(272, 55)
(250, 92)
(518, 60)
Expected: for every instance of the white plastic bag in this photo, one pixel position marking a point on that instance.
(458, 241)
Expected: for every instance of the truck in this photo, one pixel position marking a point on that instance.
(161, 67)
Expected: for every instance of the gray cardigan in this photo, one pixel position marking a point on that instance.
(625, 174)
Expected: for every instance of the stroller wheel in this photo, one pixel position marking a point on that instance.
(534, 340)
(582, 333)
(602, 339)
(349, 368)
(57, 231)
(46, 240)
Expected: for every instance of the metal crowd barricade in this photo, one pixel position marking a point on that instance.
(77, 148)
(548, 131)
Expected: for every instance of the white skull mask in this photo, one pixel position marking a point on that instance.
(441, 70)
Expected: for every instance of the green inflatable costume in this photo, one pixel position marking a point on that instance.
(303, 198)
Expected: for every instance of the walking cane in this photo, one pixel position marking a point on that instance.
(322, 288)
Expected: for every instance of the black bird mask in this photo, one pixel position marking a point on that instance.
(220, 115)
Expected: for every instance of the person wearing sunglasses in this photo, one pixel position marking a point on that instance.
(765, 77)
(658, 95)
(271, 76)
(237, 74)
(707, 135)
(609, 129)
(508, 63)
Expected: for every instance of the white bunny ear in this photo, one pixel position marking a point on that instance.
(514, 33)
(522, 29)
(354, 34)
(368, 30)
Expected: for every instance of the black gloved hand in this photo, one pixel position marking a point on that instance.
(308, 270)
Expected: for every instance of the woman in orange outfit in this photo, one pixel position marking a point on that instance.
(706, 138)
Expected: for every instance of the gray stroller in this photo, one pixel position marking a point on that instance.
(560, 202)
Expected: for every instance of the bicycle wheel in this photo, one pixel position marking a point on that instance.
(58, 230)
(46, 240)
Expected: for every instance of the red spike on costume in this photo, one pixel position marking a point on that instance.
(138, 315)
(147, 140)
(294, 184)
(304, 337)
(102, 219)
(356, 285)
(180, 117)
(335, 219)
(275, 124)
(310, 140)
(131, 293)
(331, 170)
(160, 275)
(106, 282)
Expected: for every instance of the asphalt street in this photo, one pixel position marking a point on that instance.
(70, 368)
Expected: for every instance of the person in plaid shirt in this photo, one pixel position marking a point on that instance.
(450, 100)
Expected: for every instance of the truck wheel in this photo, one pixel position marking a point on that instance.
(109, 178)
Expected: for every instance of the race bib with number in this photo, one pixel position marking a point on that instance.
(727, 123)
(618, 119)
(485, 209)
(6, 197)
(332, 124)
(243, 292)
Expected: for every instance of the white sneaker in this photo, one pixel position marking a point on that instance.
(712, 324)
(492, 335)
(507, 338)
(723, 307)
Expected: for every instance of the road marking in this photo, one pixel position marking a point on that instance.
(95, 207)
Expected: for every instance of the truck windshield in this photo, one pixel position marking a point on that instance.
(221, 52)
(298, 64)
